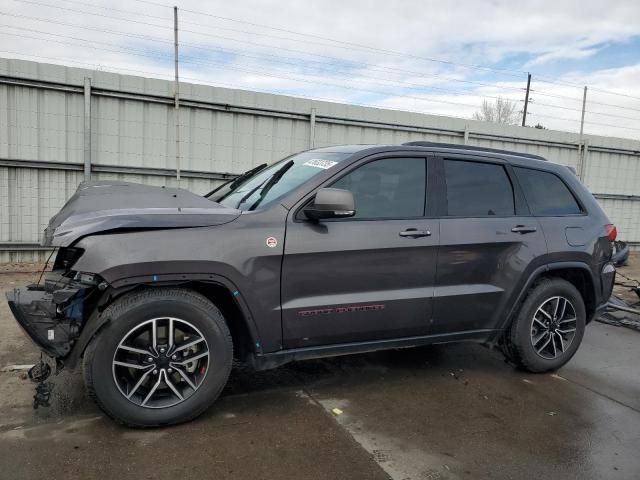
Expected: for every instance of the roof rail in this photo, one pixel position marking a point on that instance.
(473, 149)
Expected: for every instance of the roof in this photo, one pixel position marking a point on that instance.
(430, 146)
(454, 146)
(348, 148)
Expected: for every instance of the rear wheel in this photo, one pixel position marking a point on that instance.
(548, 328)
(163, 358)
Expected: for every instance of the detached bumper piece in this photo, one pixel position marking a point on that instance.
(39, 374)
(51, 314)
(616, 310)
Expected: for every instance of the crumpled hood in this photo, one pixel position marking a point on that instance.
(112, 205)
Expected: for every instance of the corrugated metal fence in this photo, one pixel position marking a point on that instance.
(56, 121)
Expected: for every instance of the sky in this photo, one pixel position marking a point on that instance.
(436, 57)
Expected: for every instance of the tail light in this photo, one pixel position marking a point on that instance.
(612, 232)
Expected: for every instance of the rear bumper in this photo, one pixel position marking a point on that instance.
(600, 310)
(50, 323)
(607, 280)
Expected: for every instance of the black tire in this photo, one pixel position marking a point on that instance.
(137, 308)
(519, 340)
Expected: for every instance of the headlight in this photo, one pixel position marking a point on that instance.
(67, 257)
(86, 278)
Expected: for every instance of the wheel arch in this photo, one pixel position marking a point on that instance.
(220, 291)
(577, 273)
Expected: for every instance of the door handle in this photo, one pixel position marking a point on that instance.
(523, 229)
(414, 233)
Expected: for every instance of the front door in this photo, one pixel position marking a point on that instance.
(487, 240)
(369, 277)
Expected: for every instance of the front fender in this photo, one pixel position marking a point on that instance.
(234, 255)
(97, 320)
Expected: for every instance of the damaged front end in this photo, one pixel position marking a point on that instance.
(53, 312)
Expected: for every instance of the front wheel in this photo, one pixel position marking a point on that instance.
(163, 357)
(548, 328)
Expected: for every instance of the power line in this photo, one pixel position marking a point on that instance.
(586, 111)
(586, 123)
(258, 72)
(493, 69)
(349, 45)
(366, 65)
(601, 90)
(98, 67)
(390, 83)
(84, 27)
(591, 102)
(358, 89)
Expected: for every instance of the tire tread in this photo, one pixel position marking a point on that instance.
(513, 349)
(136, 299)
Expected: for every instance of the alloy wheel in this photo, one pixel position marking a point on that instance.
(160, 362)
(553, 327)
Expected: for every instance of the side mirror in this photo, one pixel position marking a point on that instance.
(331, 203)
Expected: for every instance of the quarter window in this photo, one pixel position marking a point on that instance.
(477, 189)
(389, 188)
(546, 194)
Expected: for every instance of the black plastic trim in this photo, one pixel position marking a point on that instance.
(275, 359)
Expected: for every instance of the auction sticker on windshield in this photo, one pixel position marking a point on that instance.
(320, 163)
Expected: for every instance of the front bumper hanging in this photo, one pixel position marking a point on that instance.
(52, 314)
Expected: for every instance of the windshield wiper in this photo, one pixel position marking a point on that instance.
(272, 181)
(234, 182)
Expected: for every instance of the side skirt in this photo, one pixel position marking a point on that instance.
(267, 361)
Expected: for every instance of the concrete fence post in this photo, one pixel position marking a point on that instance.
(583, 160)
(87, 129)
(312, 128)
(466, 135)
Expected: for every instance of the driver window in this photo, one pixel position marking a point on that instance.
(388, 188)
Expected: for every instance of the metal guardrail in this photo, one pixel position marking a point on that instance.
(79, 167)
(23, 247)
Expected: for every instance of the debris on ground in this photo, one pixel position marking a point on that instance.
(336, 411)
(16, 368)
(621, 313)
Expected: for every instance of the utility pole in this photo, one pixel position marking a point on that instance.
(581, 142)
(526, 101)
(584, 104)
(87, 129)
(176, 92)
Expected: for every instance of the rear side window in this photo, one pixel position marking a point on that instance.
(477, 189)
(389, 188)
(546, 194)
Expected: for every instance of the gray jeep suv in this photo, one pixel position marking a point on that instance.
(331, 251)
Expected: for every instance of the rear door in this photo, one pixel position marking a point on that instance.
(487, 240)
(370, 277)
